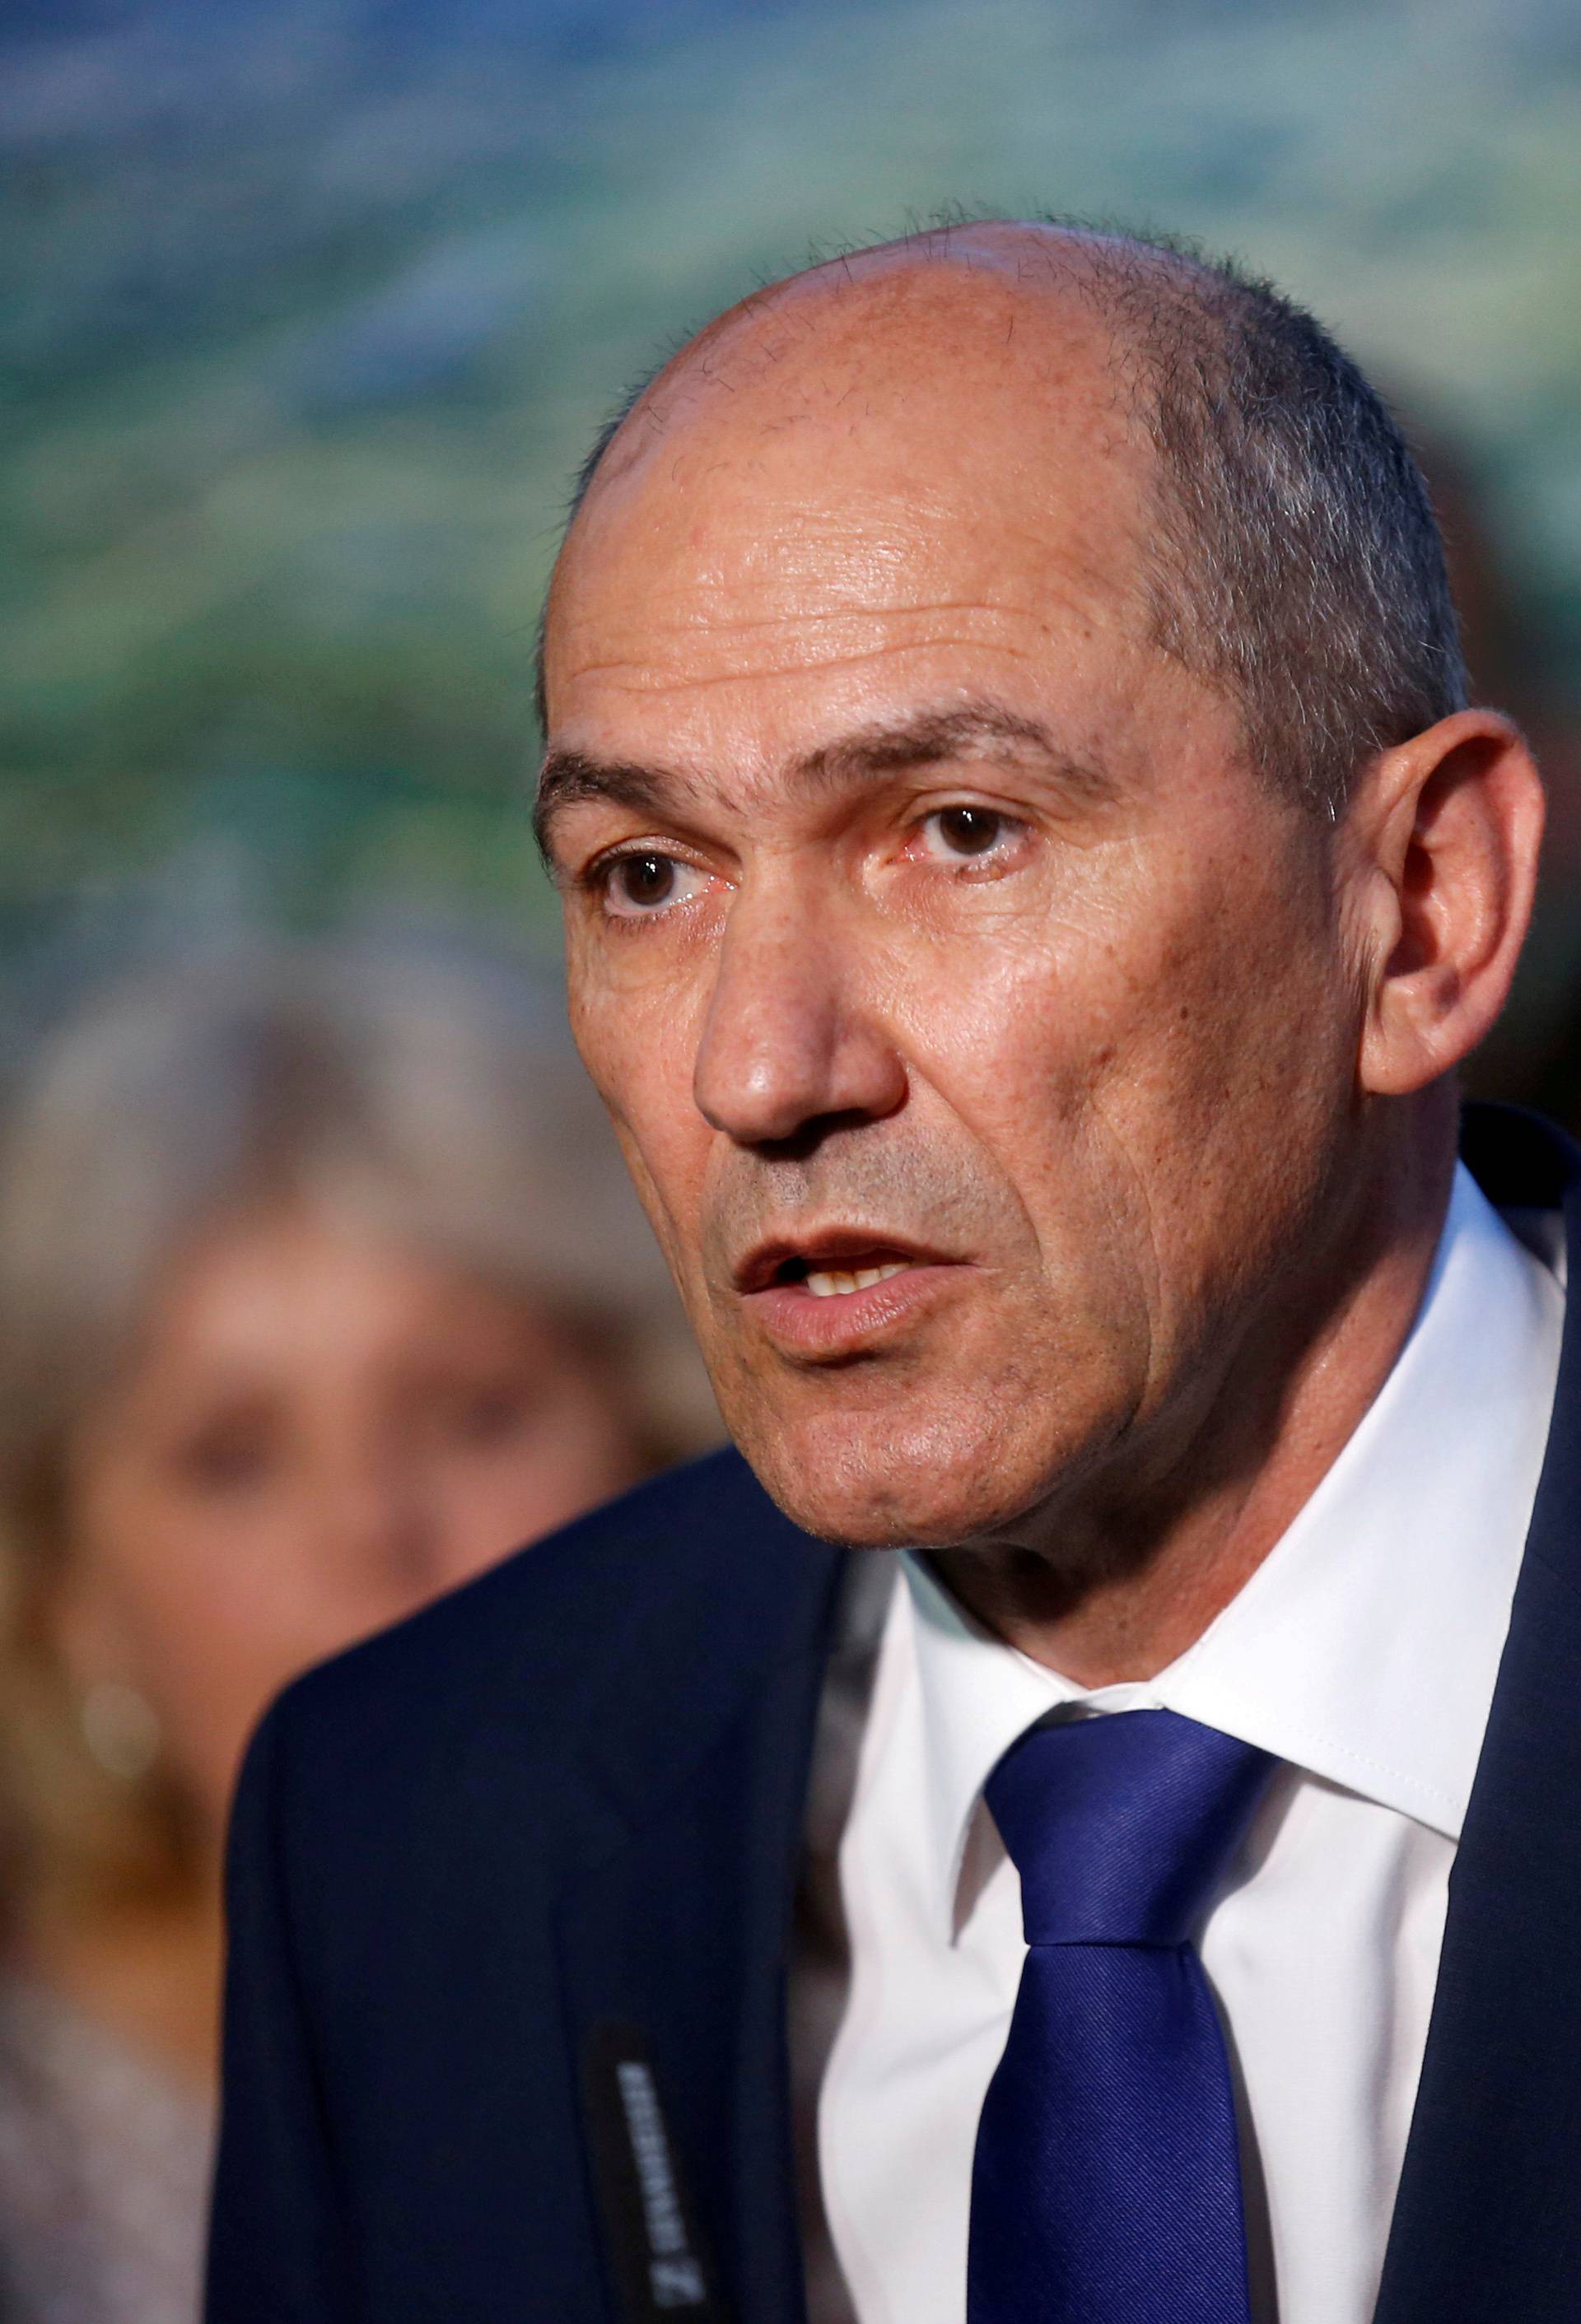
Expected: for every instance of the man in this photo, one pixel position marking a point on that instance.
(1031, 875)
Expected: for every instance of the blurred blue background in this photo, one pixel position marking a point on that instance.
(310, 310)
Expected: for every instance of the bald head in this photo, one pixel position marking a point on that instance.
(929, 323)
(943, 667)
(1282, 546)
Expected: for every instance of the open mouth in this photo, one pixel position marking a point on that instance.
(825, 1281)
(838, 1291)
(834, 1263)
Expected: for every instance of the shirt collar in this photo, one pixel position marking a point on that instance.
(1365, 1647)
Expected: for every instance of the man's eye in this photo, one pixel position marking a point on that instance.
(635, 886)
(957, 835)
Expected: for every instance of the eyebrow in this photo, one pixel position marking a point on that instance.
(569, 777)
(972, 730)
(980, 730)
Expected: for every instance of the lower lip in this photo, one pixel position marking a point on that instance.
(844, 1322)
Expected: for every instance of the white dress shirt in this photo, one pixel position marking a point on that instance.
(1363, 1654)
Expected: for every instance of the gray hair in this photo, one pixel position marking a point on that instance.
(1295, 560)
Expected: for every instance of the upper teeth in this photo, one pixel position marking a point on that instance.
(826, 1284)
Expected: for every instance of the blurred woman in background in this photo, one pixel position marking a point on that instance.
(321, 1290)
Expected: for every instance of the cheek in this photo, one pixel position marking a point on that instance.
(641, 1052)
(1218, 1086)
(494, 1503)
(1145, 1059)
(212, 1612)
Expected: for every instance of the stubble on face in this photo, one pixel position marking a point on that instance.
(1101, 1090)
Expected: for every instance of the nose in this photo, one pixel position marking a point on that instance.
(379, 1525)
(789, 1040)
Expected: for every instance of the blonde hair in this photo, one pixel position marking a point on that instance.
(421, 1097)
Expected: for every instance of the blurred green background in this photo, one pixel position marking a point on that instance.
(310, 310)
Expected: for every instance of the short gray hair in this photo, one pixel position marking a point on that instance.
(1295, 560)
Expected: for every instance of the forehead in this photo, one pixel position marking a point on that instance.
(930, 486)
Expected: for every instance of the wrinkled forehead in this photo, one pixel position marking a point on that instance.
(851, 462)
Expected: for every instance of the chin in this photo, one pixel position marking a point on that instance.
(897, 1487)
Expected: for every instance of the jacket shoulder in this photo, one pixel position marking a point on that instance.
(688, 1574)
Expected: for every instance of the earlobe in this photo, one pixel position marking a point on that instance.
(1446, 838)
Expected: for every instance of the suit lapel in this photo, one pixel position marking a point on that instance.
(672, 1939)
(672, 1946)
(1488, 2221)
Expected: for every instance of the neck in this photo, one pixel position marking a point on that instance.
(1118, 1577)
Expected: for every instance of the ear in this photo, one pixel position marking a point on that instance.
(1440, 851)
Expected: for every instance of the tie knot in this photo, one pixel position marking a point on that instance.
(1121, 1826)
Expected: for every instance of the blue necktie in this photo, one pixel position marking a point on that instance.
(1107, 2185)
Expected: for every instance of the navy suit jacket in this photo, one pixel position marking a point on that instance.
(511, 1893)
